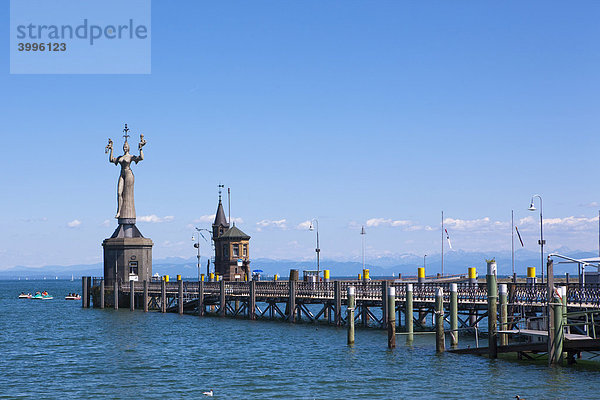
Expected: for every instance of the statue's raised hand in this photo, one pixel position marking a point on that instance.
(109, 146)
(142, 142)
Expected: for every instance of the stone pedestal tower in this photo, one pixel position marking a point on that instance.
(127, 253)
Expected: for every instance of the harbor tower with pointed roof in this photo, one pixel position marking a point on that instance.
(231, 245)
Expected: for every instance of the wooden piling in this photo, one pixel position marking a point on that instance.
(453, 315)
(503, 290)
(145, 296)
(492, 290)
(440, 345)
(391, 318)
(89, 291)
(384, 304)
(222, 300)
(337, 294)
(408, 317)
(116, 294)
(201, 297)
(83, 291)
(163, 296)
(180, 295)
(102, 293)
(550, 291)
(131, 295)
(351, 307)
(292, 301)
(252, 301)
(559, 334)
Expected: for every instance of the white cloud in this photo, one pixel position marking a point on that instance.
(375, 222)
(571, 223)
(265, 223)
(74, 224)
(304, 225)
(205, 218)
(593, 204)
(154, 219)
(480, 224)
(106, 222)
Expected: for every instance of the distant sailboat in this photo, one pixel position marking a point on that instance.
(71, 277)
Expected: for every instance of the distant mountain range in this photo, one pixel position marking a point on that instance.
(455, 262)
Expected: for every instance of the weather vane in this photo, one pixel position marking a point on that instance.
(126, 130)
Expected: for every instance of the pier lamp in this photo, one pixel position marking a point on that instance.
(196, 238)
(541, 242)
(317, 250)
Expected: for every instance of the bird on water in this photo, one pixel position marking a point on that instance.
(209, 393)
(519, 397)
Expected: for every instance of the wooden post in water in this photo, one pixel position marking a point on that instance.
(384, 304)
(337, 295)
(440, 345)
(222, 300)
(492, 297)
(163, 296)
(550, 315)
(252, 301)
(84, 296)
(408, 317)
(292, 301)
(559, 335)
(351, 307)
(89, 291)
(201, 298)
(102, 293)
(145, 296)
(503, 289)
(131, 295)
(453, 315)
(116, 294)
(391, 318)
(180, 296)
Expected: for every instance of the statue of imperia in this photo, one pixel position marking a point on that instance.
(125, 204)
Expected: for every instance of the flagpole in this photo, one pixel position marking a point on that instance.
(512, 238)
(442, 243)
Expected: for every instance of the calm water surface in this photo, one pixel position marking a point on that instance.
(54, 349)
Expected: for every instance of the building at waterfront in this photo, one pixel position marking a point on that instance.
(232, 248)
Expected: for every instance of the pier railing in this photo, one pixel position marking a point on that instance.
(475, 293)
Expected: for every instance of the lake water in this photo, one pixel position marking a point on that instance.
(54, 349)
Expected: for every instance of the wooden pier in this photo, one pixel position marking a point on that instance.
(409, 306)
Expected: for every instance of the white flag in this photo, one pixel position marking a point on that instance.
(448, 238)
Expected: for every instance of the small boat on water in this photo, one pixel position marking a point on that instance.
(73, 296)
(25, 296)
(42, 296)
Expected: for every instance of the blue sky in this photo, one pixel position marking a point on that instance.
(380, 114)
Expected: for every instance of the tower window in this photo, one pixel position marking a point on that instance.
(236, 250)
(245, 250)
(225, 252)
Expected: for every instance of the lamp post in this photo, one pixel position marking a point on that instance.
(317, 250)
(424, 257)
(541, 242)
(197, 246)
(363, 233)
